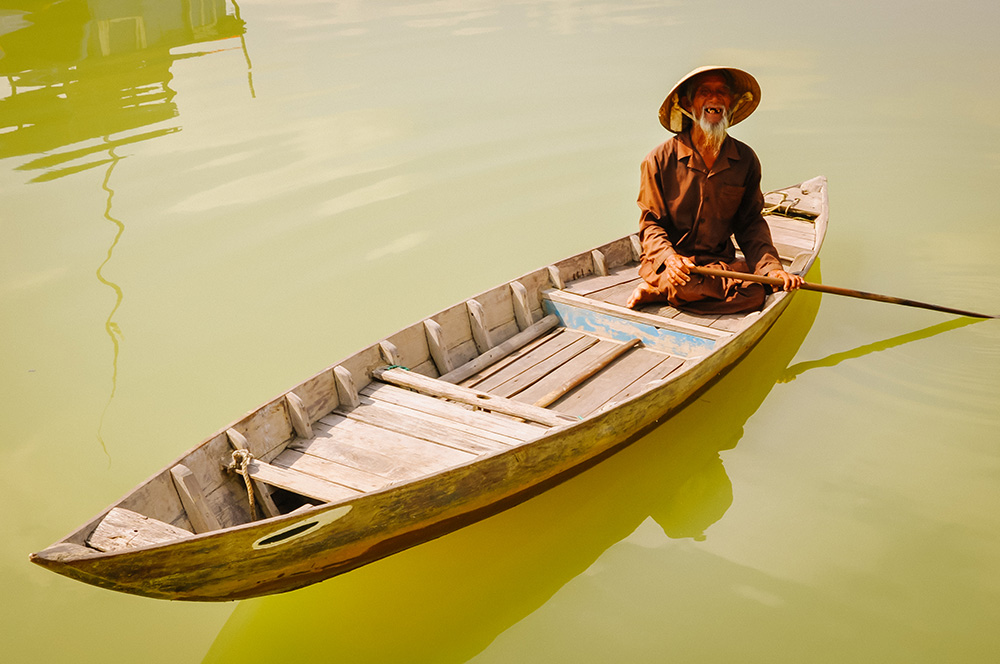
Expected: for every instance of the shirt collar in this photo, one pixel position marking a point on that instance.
(727, 155)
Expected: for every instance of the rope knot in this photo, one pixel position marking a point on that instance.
(241, 465)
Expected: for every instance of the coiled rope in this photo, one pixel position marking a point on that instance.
(241, 465)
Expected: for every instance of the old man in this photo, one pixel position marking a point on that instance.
(699, 189)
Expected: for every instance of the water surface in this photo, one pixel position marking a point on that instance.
(205, 202)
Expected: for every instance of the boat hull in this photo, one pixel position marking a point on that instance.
(292, 550)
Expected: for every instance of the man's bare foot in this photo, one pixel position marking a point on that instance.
(643, 294)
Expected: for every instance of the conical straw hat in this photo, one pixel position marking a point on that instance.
(746, 93)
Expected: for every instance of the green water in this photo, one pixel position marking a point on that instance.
(204, 203)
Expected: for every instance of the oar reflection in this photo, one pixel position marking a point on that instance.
(794, 371)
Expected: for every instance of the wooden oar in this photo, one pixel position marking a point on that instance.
(835, 290)
(590, 370)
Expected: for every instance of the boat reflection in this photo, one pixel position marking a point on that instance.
(449, 599)
(81, 71)
(88, 77)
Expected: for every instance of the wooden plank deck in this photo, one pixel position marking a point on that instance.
(389, 454)
(629, 372)
(438, 430)
(397, 433)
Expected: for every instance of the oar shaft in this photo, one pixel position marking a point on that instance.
(836, 290)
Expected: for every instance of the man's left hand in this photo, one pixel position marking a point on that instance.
(789, 281)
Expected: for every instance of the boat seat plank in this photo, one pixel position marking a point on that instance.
(499, 424)
(525, 374)
(444, 414)
(489, 381)
(300, 483)
(124, 529)
(352, 478)
(405, 420)
(473, 397)
(385, 453)
(565, 372)
(604, 387)
(624, 313)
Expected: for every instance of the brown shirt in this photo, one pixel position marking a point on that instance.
(693, 211)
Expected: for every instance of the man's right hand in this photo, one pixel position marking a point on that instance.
(678, 269)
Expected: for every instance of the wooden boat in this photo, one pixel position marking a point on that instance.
(446, 422)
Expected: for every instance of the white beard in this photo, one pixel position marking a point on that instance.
(715, 132)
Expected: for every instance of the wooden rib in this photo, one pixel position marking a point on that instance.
(477, 321)
(261, 491)
(636, 247)
(522, 310)
(435, 341)
(502, 350)
(587, 372)
(555, 277)
(346, 390)
(600, 266)
(476, 398)
(389, 352)
(297, 413)
(193, 498)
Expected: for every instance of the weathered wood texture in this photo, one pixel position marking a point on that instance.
(472, 397)
(496, 353)
(301, 483)
(586, 372)
(124, 529)
(404, 457)
(202, 519)
(389, 454)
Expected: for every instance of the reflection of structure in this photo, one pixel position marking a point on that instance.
(82, 70)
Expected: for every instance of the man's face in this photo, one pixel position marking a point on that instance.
(711, 98)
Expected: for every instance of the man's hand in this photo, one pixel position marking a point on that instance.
(789, 281)
(678, 268)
